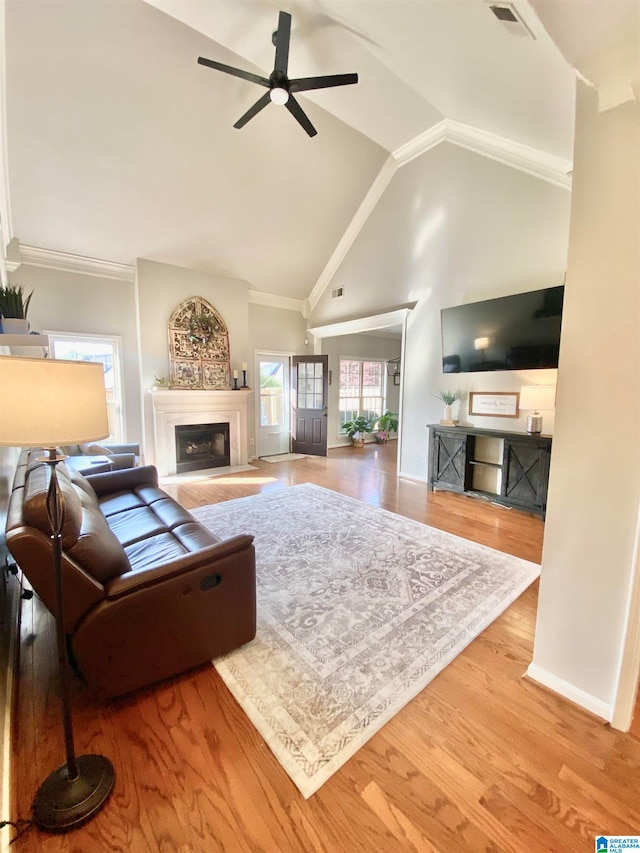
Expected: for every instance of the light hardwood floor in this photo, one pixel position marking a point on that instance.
(483, 759)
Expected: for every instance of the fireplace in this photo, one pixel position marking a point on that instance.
(173, 407)
(200, 446)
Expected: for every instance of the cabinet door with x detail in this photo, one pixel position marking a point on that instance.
(525, 474)
(449, 461)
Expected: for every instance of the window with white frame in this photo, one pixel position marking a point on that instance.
(362, 389)
(106, 350)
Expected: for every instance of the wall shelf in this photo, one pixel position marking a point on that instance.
(24, 340)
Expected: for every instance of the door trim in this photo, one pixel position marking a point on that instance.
(256, 399)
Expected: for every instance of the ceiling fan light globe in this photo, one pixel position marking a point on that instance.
(279, 95)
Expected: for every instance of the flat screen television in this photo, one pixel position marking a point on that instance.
(518, 332)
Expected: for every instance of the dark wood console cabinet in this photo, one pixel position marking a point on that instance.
(509, 468)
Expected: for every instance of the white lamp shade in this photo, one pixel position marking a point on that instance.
(481, 343)
(537, 397)
(47, 402)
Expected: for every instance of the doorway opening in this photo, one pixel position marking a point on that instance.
(273, 427)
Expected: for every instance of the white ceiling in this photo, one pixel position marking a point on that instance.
(119, 145)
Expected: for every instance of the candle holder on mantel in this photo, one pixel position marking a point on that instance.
(235, 382)
(244, 379)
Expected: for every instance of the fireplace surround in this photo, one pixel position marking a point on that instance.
(173, 408)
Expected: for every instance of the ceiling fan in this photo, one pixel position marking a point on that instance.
(280, 87)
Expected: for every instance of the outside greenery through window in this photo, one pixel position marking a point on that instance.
(362, 389)
(271, 393)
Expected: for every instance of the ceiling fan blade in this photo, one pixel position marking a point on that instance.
(260, 104)
(236, 72)
(299, 114)
(283, 36)
(303, 84)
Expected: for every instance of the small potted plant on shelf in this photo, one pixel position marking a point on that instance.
(357, 428)
(385, 424)
(448, 397)
(13, 309)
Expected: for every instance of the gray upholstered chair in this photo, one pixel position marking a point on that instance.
(120, 455)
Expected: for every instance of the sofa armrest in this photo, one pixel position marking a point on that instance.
(124, 480)
(124, 448)
(205, 558)
(122, 460)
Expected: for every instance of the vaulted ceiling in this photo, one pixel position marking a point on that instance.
(119, 145)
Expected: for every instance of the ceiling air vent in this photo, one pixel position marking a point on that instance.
(337, 292)
(511, 19)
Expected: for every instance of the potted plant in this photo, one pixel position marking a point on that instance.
(14, 307)
(385, 424)
(448, 397)
(357, 428)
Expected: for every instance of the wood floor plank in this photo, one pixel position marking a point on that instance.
(483, 759)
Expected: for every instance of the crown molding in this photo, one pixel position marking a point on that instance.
(66, 262)
(361, 324)
(539, 164)
(272, 300)
(546, 167)
(382, 180)
(421, 144)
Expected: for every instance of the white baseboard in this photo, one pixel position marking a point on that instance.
(405, 476)
(570, 692)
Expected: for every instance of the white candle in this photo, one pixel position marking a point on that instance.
(244, 365)
(235, 374)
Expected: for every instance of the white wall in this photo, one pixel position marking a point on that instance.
(73, 302)
(277, 330)
(161, 288)
(594, 491)
(451, 227)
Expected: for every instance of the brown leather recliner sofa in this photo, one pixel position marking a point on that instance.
(148, 591)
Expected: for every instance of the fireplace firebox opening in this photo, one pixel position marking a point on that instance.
(201, 446)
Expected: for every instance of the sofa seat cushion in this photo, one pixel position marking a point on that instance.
(171, 514)
(134, 524)
(154, 551)
(149, 494)
(193, 536)
(119, 502)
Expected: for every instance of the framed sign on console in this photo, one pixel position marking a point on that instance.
(497, 404)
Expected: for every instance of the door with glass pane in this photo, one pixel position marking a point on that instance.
(273, 404)
(310, 385)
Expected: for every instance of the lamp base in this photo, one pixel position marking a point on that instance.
(61, 804)
(534, 423)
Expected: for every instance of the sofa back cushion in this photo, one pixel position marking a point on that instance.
(34, 509)
(86, 536)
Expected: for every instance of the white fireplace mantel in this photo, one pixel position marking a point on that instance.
(173, 408)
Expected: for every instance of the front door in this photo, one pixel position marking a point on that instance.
(273, 404)
(310, 386)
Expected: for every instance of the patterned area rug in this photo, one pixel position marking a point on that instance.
(358, 610)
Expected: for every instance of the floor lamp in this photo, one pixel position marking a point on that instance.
(47, 403)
